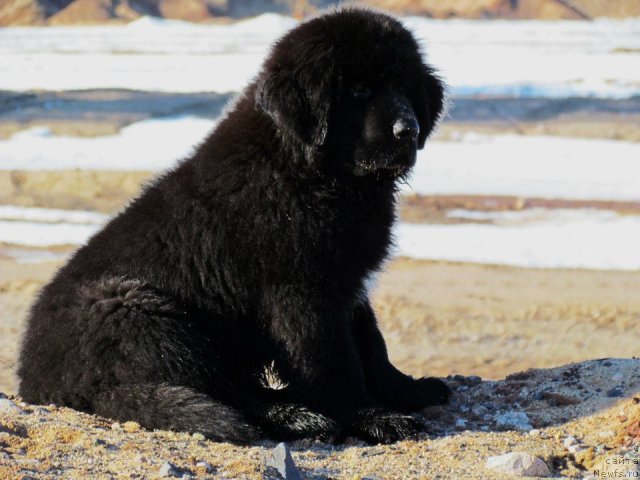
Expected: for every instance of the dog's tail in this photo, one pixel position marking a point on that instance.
(169, 407)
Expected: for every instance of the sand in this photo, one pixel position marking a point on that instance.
(444, 318)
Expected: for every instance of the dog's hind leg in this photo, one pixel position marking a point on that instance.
(119, 348)
(169, 407)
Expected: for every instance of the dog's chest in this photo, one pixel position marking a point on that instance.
(357, 226)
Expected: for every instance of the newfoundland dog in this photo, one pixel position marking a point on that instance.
(248, 261)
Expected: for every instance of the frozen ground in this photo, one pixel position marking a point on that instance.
(525, 59)
(510, 60)
(41, 227)
(527, 166)
(172, 139)
(45, 234)
(50, 215)
(538, 238)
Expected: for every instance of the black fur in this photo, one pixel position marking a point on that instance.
(253, 254)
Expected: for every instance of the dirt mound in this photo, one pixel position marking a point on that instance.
(577, 419)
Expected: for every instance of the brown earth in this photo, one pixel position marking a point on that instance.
(485, 320)
(530, 9)
(103, 191)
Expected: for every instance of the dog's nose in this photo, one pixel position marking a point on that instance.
(406, 128)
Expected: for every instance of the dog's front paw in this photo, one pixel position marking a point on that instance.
(292, 422)
(412, 395)
(432, 391)
(380, 426)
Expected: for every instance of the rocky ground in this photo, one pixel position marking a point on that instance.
(580, 420)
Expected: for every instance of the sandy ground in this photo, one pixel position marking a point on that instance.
(446, 318)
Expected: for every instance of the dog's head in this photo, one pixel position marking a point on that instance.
(352, 83)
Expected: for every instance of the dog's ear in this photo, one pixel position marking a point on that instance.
(430, 103)
(298, 98)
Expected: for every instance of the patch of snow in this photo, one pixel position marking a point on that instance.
(265, 24)
(43, 227)
(171, 139)
(558, 216)
(50, 215)
(525, 166)
(529, 166)
(530, 58)
(35, 234)
(590, 240)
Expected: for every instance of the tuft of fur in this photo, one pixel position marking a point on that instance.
(252, 254)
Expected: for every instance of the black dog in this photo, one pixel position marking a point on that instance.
(251, 257)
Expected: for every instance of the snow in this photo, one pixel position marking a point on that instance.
(555, 239)
(529, 166)
(524, 58)
(50, 215)
(556, 216)
(477, 58)
(36, 234)
(42, 227)
(538, 238)
(534, 58)
(171, 138)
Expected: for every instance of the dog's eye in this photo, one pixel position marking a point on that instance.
(361, 92)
